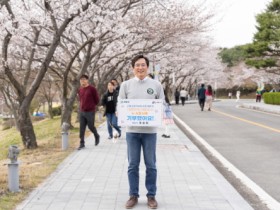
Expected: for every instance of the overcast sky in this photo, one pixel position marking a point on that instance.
(238, 22)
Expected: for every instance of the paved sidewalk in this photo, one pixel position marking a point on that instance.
(96, 179)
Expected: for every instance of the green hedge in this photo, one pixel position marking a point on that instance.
(272, 98)
(56, 111)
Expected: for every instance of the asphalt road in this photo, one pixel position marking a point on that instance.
(250, 140)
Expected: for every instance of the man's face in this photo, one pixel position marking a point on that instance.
(140, 69)
(84, 82)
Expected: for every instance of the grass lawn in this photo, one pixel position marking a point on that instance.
(35, 165)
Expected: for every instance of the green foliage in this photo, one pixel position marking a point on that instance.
(272, 98)
(264, 51)
(274, 6)
(255, 49)
(233, 55)
(239, 53)
(261, 63)
(56, 111)
(269, 23)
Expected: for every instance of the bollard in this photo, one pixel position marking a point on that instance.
(13, 174)
(64, 136)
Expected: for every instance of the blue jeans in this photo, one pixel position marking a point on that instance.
(134, 143)
(112, 120)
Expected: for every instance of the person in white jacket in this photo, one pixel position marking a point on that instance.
(237, 95)
(183, 96)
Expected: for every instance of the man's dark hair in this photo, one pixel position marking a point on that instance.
(202, 85)
(136, 58)
(84, 76)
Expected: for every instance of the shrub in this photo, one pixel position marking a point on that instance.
(56, 111)
(272, 98)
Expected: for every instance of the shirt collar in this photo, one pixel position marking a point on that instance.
(138, 80)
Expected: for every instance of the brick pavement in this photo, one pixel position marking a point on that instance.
(96, 179)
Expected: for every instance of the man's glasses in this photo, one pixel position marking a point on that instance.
(140, 65)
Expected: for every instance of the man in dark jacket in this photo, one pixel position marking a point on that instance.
(201, 96)
(89, 98)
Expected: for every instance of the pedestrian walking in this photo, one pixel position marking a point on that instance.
(201, 96)
(89, 98)
(237, 95)
(109, 102)
(258, 95)
(167, 116)
(141, 87)
(209, 97)
(116, 84)
(183, 95)
(177, 96)
(229, 95)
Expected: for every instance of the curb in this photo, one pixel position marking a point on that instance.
(264, 196)
(267, 109)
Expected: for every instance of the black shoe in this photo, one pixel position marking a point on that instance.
(120, 135)
(97, 140)
(163, 135)
(82, 146)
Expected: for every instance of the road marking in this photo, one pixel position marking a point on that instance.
(259, 111)
(248, 121)
(263, 195)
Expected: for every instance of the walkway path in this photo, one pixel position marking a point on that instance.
(96, 179)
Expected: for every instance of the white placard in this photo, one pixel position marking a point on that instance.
(140, 112)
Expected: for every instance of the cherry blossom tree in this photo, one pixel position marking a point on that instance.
(31, 32)
(69, 38)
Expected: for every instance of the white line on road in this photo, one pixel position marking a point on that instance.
(264, 196)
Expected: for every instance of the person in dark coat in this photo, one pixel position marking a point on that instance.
(201, 96)
(109, 102)
(177, 96)
(116, 84)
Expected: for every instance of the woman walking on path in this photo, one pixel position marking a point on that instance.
(109, 102)
(209, 97)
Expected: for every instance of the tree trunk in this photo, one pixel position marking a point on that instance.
(68, 103)
(26, 129)
(67, 108)
(50, 110)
